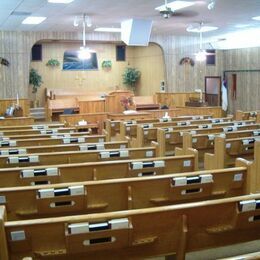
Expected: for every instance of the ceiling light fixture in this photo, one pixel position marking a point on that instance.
(88, 21)
(107, 29)
(175, 5)
(60, 1)
(257, 18)
(33, 20)
(76, 22)
(200, 28)
(84, 53)
(201, 55)
(211, 4)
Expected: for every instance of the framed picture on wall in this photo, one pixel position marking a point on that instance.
(71, 61)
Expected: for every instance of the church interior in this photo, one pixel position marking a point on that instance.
(129, 129)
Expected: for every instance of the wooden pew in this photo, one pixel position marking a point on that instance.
(34, 127)
(169, 139)
(145, 103)
(254, 169)
(68, 157)
(145, 135)
(226, 150)
(241, 115)
(45, 134)
(64, 147)
(135, 233)
(73, 120)
(53, 141)
(76, 172)
(122, 194)
(13, 121)
(57, 106)
(130, 130)
(205, 143)
(113, 127)
(37, 131)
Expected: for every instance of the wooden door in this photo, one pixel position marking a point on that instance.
(213, 90)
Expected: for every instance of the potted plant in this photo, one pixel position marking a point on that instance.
(130, 77)
(35, 79)
(53, 63)
(107, 64)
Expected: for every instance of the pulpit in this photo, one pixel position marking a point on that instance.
(113, 100)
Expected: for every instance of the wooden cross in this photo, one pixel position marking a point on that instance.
(80, 79)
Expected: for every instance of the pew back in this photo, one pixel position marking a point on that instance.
(135, 233)
(122, 194)
(24, 176)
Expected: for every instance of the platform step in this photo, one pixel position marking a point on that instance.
(37, 112)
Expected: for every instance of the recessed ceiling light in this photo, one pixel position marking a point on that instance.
(257, 18)
(60, 1)
(175, 5)
(33, 20)
(107, 29)
(197, 29)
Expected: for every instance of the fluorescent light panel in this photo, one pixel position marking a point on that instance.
(60, 1)
(33, 20)
(107, 29)
(197, 29)
(175, 5)
(257, 18)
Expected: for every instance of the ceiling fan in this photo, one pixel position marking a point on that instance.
(169, 9)
(167, 12)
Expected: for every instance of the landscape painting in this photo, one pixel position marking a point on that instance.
(72, 62)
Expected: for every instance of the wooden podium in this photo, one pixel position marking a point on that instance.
(113, 100)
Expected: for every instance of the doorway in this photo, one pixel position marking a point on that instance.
(213, 90)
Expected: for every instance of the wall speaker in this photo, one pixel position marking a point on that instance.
(37, 52)
(211, 59)
(136, 32)
(120, 53)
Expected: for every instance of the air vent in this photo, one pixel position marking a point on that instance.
(21, 13)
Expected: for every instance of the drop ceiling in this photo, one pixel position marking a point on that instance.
(228, 15)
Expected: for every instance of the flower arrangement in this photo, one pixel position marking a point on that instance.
(187, 60)
(126, 102)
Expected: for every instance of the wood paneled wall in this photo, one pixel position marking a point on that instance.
(185, 78)
(246, 66)
(16, 47)
(94, 80)
(150, 62)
